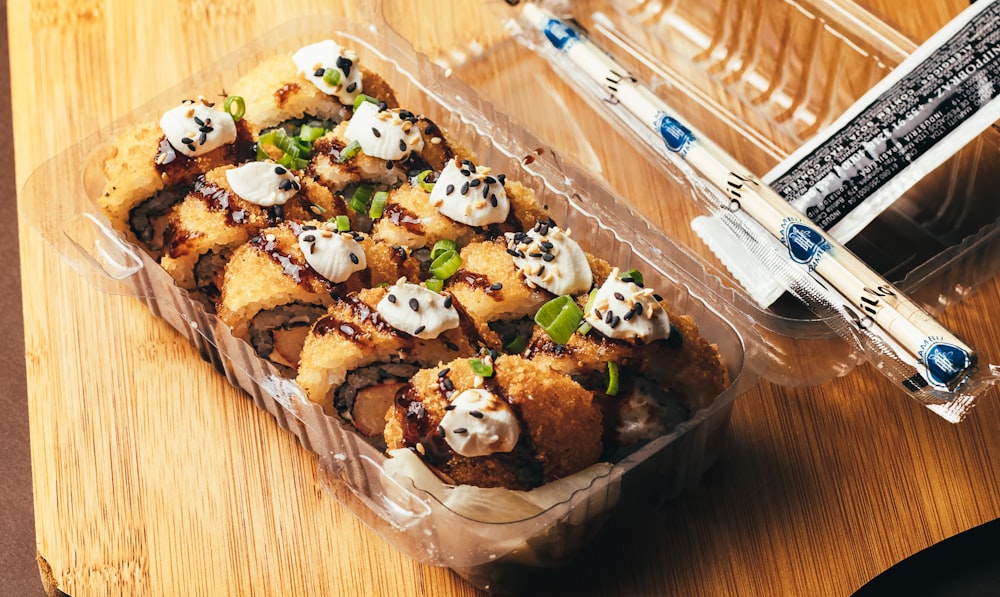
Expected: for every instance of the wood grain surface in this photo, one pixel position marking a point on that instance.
(153, 477)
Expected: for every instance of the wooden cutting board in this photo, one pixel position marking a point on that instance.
(153, 477)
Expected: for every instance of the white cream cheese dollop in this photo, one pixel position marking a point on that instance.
(314, 60)
(624, 311)
(195, 128)
(478, 423)
(332, 254)
(417, 311)
(263, 183)
(549, 258)
(384, 133)
(469, 194)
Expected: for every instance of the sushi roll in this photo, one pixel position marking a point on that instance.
(503, 422)
(466, 202)
(650, 368)
(317, 83)
(368, 344)
(225, 207)
(152, 166)
(285, 277)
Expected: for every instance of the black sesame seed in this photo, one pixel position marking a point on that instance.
(279, 170)
(460, 430)
(548, 257)
(476, 414)
(414, 304)
(493, 199)
(502, 178)
(614, 322)
(619, 296)
(319, 72)
(376, 132)
(345, 64)
(382, 106)
(444, 372)
(309, 238)
(407, 115)
(496, 286)
(448, 190)
(419, 330)
(489, 180)
(465, 172)
(205, 129)
(441, 430)
(430, 129)
(629, 315)
(354, 259)
(450, 407)
(536, 255)
(448, 384)
(546, 245)
(657, 298)
(198, 121)
(475, 182)
(391, 298)
(465, 189)
(187, 140)
(402, 145)
(389, 165)
(513, 253)
(609, 317)
(638, 309)
(447, 302)
(285, 184)
(202, 138)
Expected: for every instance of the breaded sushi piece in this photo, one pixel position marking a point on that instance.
(467, 203)
(225, 207)
(381, 146)
(515, 425)
(369, 343)
(649, 366)
(152, 165)
(285, 277)
(317, 82)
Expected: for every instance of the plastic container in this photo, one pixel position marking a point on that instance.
(760, 78)
(60, 202)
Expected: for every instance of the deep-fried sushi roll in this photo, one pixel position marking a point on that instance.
(504, 422)
(649, 366)
(319, 82)
(466, 203)
(368, 344)
(225, 207)
(151, 166)
(284, 278)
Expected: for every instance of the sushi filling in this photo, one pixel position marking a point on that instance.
(278, 334)
(368, 393)
(149, 218)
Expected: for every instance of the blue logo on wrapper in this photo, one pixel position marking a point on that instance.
(559, 35)
(674, 134)
(945, 362)
(805, 245)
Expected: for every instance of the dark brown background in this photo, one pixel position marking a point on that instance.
(18, 571)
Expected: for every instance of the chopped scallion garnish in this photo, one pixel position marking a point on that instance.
(515, 343)
(359, 200)
(445, 265)
(235, 106)
(343, 223)
(442, 246)
(422, 180)
(434, 284)
(331, 77)
(363, 98)
(378, 204)
(349, 152)
(480, 368)
(311, 133)
(632, 275)
(612, 379)
(559, 317)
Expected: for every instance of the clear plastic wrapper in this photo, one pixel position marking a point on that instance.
(542, 530)
(752, 72)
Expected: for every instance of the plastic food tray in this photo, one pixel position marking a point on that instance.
(60, 203)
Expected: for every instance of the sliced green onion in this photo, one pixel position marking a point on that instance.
(445, 265)
(349, 152)
(359, 200)
(363, 98)
(331, 76)
(422, 180)
(434, 284)
(343, 223)
(515, 343)
(612, 379)
(585, 327)
(235, 106)
(442, 246)
(632, 275)
(378, 204)
(559, 317)
(311, 133)
(480, 368)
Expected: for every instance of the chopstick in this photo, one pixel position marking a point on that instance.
(945, 360)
